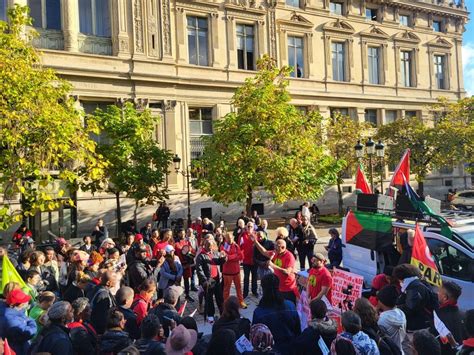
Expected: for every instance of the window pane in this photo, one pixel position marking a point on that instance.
(437, 26)
(102, 18)
(439, 62)
(338, 64)
(335, 8)
(35, 13)
(207, 127)
(85, 16)
(294, 3)
(3, 10)
(195, 127)
(202, 47)
(371, 116)
(206, 113)
(250, 61)
(299, 62)
(405, 67)
(404, 20)
(295, 56)
(390, 116)
(410, 113)
(373, 53)
(53, 14)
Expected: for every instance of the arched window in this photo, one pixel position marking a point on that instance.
(94, 17)
(45, 14)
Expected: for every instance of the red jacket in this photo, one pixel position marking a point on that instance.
(158, 247)
(246, 245)
(140, 307)
(234, 256)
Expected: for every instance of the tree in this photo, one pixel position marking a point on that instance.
(42, 135)
(342, 135)
(266, 143)
(137, 165)
(430, 148)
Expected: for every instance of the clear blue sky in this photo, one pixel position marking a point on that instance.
(468, 51)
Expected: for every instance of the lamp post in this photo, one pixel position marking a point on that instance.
(380, 152)
(186, 173)
(371, 149)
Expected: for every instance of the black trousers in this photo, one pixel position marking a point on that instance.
(250, 269)
(303, 254)
(214, 292)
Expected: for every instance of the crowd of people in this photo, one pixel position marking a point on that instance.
(105, 297)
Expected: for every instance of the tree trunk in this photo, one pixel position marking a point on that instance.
(135, 214)
(339, 198)
(248, 201)
(421, 188)
(119, 214)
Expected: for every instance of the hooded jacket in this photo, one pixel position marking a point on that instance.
(307, 342)
(55, 341)
(234, 256)
(113, 341)
(17, 328)
(393, 324)
(362, 343)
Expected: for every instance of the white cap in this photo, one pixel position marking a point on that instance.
(169, 249)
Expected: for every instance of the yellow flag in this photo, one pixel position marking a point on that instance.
(9, 274)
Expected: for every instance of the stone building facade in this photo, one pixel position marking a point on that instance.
(375, 60)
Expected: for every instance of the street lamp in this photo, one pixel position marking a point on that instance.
(371, 149)
(186, 173)
(359, 149)
(380, 152)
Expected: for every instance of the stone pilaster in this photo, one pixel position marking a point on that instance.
(71, 25)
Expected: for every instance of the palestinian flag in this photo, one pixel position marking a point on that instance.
(402, 169)
(369, 230)
(421, 257)
(361, 182)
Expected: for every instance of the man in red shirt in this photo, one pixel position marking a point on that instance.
(246, 245)
(319, 279)
(283, 265)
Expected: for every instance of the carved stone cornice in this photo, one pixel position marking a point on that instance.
(246, 7)
(406, 37)
(295, 22)
(439, 42)
(208, 7)
(338, 27)
(374, 32)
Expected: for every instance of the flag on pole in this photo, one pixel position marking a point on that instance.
(361, 182)
(421, 257)
(9, 273)
(402, 169)
(368, 230)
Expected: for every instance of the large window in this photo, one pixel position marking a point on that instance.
(295, 56)
(245, 47)
(371, 116)
(374, 65)
(198, 40)
(338, 61)
(3, 10)
(336, 8)
(45, 13)
(406, 68)
(94, 17)
(440, 71)
(200, 124)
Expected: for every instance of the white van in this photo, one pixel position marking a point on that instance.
(454, 258)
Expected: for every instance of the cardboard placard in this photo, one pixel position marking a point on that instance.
(340, 281)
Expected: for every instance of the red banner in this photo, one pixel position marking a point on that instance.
(421, 257)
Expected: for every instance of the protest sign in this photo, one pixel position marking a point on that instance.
(342, 282)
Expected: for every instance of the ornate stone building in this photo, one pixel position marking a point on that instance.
(375, 60)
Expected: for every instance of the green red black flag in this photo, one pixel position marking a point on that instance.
(369, 230)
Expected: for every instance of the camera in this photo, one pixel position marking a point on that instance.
(348, 290)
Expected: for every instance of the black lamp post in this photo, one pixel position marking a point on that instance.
(371, 149)
(186, 173)
(380, 152)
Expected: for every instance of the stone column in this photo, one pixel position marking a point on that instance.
(231, 43)
(360, 114)
(171, 137)
(71, 25)
(120, 36)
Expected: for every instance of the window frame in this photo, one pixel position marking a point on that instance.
(378, 65)
(408, 22)
(294, 73)
(254, 42)
(366, 115)
(292, 2)
(196, 28)
(341, 4)
(395, 118)
(344, 61)
(3, 10)
(443, 67)
(44, 15)
(406, 64)
(94, 18)
(200, 120)
(440, 22)
(372, 17)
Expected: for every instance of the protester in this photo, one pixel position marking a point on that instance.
(88, 247)
(163, 213)
(392, 321)
(149, 343)
(82, 333)
(334, 248)
(379, 282)
(146, 231)
(319, 279)
(21, 234)
(166, 310)
(100, 232)
(181, 341)
(231, 268)
(262, 341)
(250, 269)
(209, 277)
(54, 338)
(263, 260)
(166, 239)
(305, 244)
(231, 319)
(222, 342)
(320, 326)
(77, 288)
(142, 302)
(407, 246)
(102, 300)
(292, 236)
(115, 338)
(39, 311)
(278, 314)
(202, 341)
(33, 282)
(468, 343)
(138, 269)
(352, 325)
(125, 297)
(425, 343)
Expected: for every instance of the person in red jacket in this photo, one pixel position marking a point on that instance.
(21, 233)
(197, 227)
(166, 239)
(142, 301)
(246, 245)
(231, 268)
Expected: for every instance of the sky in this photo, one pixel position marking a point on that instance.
(468, 51)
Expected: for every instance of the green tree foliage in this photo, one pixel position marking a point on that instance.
(42, 135)
(430, 145)
(137, 165)
(342, 134)
(266, 142)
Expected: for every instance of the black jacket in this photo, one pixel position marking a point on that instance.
(258, 258)
(113, 341)
(418, 302)
(84, 340)
(166, 312)
(73, 292)
(150, 347)
(101, 301)
(240, 326)
(131, 325)
(137, 273)
(203, 266)
(309, 238)
(55, 340)
(307, 342)
(90, 250)
(453, 318)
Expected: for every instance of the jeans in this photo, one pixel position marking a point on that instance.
(250, 269)
(228, 279)
(304, 253)
(210, 293)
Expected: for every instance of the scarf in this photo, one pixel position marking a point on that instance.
(407, 282)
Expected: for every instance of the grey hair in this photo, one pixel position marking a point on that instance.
(80, 304)
(58, 310)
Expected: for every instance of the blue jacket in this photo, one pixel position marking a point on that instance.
(284, 323)
(167, 276)
(17, 327)
(335, 251)
(56, 340)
